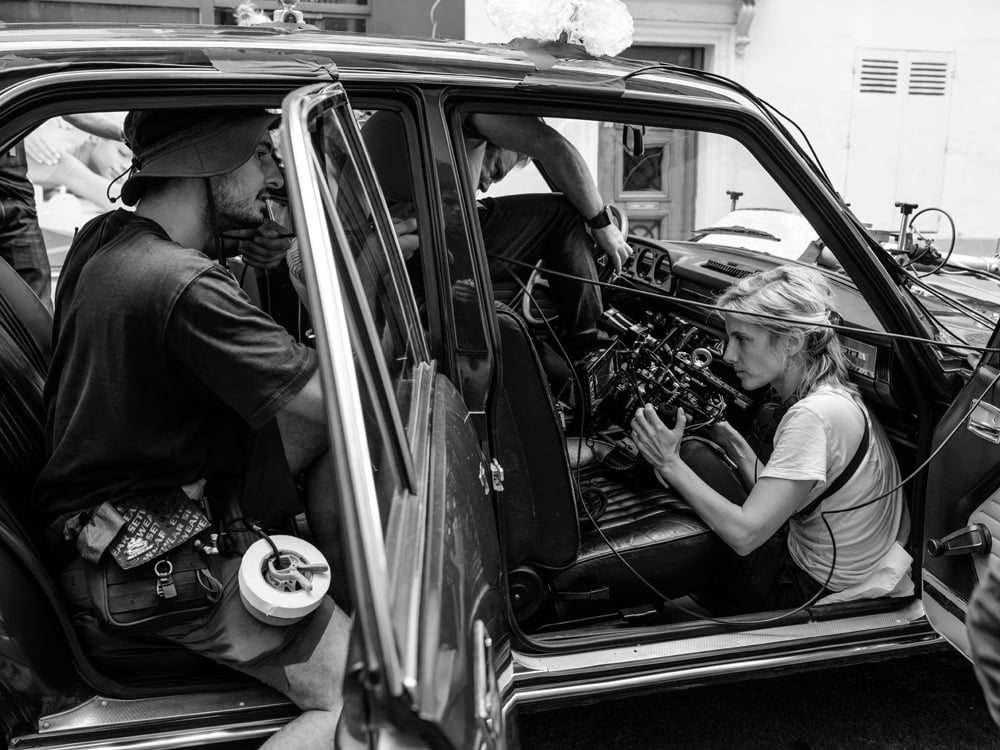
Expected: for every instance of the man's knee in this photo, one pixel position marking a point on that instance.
(316, 683)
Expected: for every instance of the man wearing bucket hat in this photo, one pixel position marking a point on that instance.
(164, 373)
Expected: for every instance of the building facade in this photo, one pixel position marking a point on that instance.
(896, 96)
(404, 17)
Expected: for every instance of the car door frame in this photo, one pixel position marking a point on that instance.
(963, 506)
(410, 652)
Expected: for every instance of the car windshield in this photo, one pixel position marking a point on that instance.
(683, 185)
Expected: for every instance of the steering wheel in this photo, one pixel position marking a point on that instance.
(537, 289)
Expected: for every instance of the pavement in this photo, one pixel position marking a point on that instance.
(926, 702)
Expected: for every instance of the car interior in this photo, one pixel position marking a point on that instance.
(592, 543)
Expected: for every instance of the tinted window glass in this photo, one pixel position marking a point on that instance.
(387, 294)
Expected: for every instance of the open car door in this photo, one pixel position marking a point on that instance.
(962, 509)
(414, 495)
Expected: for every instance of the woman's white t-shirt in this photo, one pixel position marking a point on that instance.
(816, 439)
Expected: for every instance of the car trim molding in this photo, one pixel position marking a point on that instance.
(921, 639)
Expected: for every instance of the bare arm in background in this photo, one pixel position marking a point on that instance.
(564, 165)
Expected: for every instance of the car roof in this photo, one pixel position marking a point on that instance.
(27, 49)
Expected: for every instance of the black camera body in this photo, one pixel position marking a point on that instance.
(668, 371)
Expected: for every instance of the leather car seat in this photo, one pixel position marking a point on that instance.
(551, 556)
(25, 353)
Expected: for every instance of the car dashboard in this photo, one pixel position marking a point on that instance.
(667, 276)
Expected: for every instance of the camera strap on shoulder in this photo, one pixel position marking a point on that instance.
(849, 471)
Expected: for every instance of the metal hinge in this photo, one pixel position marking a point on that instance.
(496, 471)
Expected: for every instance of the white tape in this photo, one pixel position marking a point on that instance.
(266, 602)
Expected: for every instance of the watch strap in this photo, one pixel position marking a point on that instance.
(603, 218)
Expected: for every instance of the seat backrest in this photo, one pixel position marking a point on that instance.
(538, 505)
(25, 351)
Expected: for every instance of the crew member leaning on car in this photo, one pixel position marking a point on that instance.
(827, 433)
(525, 228)
(164, 373)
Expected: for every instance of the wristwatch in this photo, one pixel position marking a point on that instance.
(604, 218)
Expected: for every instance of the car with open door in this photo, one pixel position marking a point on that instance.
(504, 550)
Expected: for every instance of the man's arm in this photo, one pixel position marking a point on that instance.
(307, 404)
(96, 124)
(563, 164)
(302, 424)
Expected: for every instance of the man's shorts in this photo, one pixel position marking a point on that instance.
(231, 636)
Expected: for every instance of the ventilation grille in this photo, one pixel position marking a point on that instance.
(879, 76)
(729, 269)
(928, 78)
(884, 75)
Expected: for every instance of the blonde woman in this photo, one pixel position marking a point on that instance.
(826, 507)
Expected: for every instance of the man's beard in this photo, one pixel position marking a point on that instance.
(233, 210)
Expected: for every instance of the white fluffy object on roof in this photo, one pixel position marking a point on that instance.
(603, 27)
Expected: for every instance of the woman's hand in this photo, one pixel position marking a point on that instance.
(657, 443)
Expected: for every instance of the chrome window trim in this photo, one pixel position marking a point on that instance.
(368, 568)
(406, 539)
(304, 43)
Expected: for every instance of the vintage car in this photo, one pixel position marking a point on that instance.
(497, 559)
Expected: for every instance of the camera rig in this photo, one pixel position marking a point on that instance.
(639, 366)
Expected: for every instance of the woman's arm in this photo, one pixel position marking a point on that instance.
(744, 528)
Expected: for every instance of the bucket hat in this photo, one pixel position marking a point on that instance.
(190, 143)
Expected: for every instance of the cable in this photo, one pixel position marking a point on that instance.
(960, 306)
(276, 554)
(951, 247)
(771, 112)
(839, 327)
(607, 541)
(668, 601)
(823, 514)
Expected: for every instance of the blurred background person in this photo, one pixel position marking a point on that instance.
(82, 153)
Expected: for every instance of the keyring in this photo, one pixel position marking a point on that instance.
(163, 573)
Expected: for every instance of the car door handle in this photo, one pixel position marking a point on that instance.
(984, 422)
(974, 538)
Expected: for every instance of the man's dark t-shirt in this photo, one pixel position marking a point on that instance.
(161, 369)
(14, 182)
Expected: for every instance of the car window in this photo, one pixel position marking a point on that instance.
(69, 161)
(682, 183)
(388, 294)
(685, 185)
